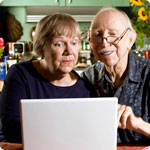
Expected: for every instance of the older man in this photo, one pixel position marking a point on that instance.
(121, 74)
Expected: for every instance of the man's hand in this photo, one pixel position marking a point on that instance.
(126, 118)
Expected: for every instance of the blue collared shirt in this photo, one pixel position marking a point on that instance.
(134, 92)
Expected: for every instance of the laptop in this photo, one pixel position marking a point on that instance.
(69, 124)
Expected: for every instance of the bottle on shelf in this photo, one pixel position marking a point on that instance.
(83, 45)
(2, 74)
(2, 71)
(5, 60)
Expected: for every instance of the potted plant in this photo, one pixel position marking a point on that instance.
(141, 20)
(1, 47)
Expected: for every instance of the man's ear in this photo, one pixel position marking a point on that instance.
(132, 39)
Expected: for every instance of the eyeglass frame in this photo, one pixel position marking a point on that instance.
(117, 38)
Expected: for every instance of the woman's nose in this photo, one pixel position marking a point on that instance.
(68, 49)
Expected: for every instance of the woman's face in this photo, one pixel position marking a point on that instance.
(61, 54)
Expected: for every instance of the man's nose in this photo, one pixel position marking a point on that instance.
(104, 42)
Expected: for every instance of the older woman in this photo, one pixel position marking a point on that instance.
(57, 41)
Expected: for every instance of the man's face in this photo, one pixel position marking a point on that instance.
(109, 26)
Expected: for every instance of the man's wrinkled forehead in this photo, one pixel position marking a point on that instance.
(111, 18)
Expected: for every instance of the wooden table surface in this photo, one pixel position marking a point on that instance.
(132, 147)
(14, 146)
(1, 85)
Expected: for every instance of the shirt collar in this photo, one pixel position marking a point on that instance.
(133, 71)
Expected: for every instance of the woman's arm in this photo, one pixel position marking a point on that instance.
(14, 89)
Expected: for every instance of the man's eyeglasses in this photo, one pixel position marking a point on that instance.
(110, 39)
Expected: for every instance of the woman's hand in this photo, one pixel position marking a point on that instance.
(127, 120)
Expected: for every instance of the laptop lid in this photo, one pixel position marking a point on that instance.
(69, 124)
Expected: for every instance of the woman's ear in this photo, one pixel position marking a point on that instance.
(132, 38)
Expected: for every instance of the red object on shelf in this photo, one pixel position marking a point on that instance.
(147, 54)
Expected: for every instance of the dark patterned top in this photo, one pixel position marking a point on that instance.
(134, 92)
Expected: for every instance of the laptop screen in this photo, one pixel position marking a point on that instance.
(69, 124)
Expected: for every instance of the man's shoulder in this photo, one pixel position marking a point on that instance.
(139, 62)
(139, 67)
(95, 67)
(94, 72)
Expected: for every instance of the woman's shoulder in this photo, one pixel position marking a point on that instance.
(23, 68)
(23, 64)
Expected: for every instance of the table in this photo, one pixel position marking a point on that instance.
(15, 146)
(1, 85)
(130, 147)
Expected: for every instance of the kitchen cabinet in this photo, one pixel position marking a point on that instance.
(65, 3)
(30, 3)
(97, 3)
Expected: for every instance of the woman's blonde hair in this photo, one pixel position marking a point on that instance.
(54, 25)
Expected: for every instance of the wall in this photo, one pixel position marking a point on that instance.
(20, 14)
